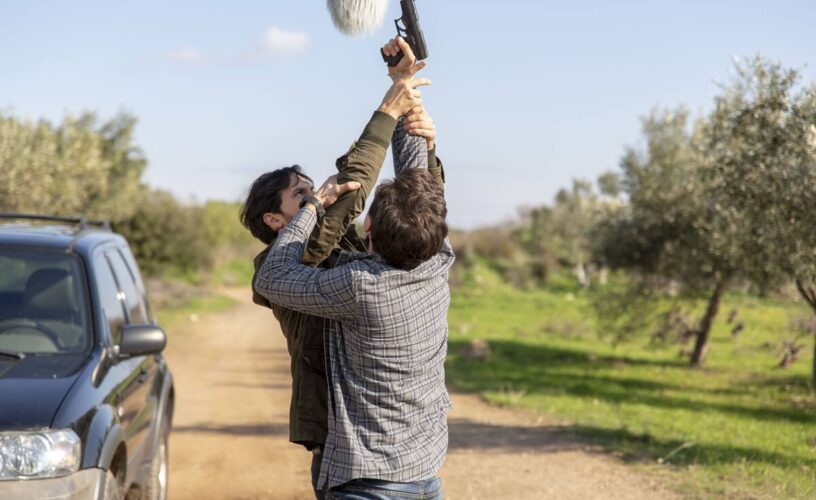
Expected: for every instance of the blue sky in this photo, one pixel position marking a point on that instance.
(527, 94)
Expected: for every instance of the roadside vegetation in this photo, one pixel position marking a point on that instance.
(191, 311)
(223, 255)
(665, 312)
(741, 427)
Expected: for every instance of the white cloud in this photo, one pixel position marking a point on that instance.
(188, 55)
(278, 42)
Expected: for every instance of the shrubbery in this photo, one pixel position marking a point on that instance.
(77, 167)
(167, 236)
(83, 167)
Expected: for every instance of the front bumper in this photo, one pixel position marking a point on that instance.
(87, 484)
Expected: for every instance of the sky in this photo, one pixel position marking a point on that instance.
(526, 95)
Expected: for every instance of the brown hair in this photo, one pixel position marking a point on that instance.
(408, 219)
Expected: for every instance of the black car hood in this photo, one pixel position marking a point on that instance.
(32, 389)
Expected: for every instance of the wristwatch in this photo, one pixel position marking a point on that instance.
(314, 201)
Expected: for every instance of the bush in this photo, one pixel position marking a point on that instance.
(223, 227)
(499, 248)
(167, 237)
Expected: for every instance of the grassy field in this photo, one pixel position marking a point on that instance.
(177, 302)
(179, 298)
(235, 271)
(186, 298)
(191, 310)
(740, 427)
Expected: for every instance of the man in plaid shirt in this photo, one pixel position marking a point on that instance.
(273, 200)
(386, 333)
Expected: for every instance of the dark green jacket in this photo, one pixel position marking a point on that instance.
(333, 234)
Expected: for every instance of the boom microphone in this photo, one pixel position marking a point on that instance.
(354, 17)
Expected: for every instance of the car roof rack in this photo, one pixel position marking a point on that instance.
(82, 222)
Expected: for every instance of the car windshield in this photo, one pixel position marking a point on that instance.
(42, 305)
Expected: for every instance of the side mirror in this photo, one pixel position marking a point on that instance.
(142, 340)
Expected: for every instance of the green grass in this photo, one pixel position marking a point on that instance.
(170, 317)
(236, 271)
(740, 427)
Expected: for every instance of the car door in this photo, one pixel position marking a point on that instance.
(142, 400)
(122, 377)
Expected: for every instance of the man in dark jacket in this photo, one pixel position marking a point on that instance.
(276, 196)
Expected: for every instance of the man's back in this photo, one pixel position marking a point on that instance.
(386, 365)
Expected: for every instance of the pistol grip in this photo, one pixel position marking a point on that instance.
(391, 60)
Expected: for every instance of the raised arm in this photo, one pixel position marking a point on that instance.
(285, 281)
(420, 127)
(410, 148)
(362, 164)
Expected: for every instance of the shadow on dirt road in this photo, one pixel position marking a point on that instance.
(230, 430)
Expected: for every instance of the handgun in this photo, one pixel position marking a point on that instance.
(410, 31)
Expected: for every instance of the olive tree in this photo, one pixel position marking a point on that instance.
(761, 153)
(562, 232)
(75, 167)
(672, 232)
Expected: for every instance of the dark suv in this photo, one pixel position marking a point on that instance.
(86, 397)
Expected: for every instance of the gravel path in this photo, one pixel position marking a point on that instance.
(229, 437)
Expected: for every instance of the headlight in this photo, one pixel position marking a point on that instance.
(25, 455)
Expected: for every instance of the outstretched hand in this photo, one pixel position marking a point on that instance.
(328, 193)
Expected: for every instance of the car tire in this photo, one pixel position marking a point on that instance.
(155, 485)
(113, 486)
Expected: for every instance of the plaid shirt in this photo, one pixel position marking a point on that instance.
(386, 347)
(408, 151)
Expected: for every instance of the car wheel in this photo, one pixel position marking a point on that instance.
(113, 486)
(155, 485)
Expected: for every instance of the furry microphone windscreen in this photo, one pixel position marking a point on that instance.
(354, 17)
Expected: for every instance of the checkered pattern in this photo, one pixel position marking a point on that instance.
(409, 151)
(386, 346)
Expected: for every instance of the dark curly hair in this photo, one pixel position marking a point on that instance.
(265, 196)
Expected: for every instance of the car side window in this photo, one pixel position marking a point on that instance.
(133, 299)
(109, 297)
(127, 255)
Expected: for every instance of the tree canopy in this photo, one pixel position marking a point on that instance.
(75, 167)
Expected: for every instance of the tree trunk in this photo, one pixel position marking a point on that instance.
(809, 294)
(581, 275)
(704, 331)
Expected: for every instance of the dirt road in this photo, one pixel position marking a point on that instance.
(229, 437)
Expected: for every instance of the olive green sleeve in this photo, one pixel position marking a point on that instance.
(435, 166)
(361, 164)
